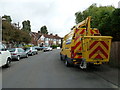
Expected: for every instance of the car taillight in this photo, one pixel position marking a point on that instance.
(13, 54)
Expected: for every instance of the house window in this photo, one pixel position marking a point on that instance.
(54, 39)
(42, 38)
(46, 39)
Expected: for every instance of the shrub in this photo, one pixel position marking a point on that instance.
(54, 46)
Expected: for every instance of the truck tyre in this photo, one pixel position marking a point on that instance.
(67, 63)
(8, 63)
(61, 57)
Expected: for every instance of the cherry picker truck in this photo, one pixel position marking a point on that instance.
(84, 45)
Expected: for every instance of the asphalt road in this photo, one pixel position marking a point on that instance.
(46, 70)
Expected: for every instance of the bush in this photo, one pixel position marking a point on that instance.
(54, 46)
(26, 46)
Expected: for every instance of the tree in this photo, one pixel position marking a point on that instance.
(8, 18)
(26, 26)
(105, 18)
(44, 30)
(7, 31)
(115, 24)
(13, 35)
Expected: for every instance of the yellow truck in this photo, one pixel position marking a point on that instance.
(84, 46)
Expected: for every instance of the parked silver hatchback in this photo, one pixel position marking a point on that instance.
(18, 53)
(31, 51)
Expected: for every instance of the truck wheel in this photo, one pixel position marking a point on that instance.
(61, 57)
(8, 63)
(67, 63)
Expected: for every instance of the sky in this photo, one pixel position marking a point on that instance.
(57, 15)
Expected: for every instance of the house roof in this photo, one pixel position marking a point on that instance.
(51, 36)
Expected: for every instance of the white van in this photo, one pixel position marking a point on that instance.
(5, 56)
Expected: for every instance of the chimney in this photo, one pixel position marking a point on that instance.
(51, 34)
(56, 35)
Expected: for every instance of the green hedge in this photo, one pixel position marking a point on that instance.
(26, 46)
(54, 46)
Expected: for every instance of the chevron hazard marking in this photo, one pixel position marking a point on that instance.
(97, 49)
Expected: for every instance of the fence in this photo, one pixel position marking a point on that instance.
(115, 54)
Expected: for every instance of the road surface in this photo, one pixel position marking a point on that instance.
(46, 70)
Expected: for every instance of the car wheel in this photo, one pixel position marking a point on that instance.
(32, 54)
(8, 63)
(26, 55)
(18, 58)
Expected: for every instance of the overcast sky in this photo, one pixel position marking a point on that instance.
(57, 15)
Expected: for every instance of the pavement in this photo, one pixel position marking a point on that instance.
(109, 73)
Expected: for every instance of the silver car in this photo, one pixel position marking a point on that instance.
(47, 49)
(18, 53)
(31, 51)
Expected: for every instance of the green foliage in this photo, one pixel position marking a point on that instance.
(54, 46)
(105, 18)
(8, 18)
(7, 31)
(12, 35)
(26, 46)
(115, 24)
(44, 30)
(26, 26)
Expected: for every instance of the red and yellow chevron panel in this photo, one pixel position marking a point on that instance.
(94, 31)
(80, 31)
(77, 43)
(99, 50)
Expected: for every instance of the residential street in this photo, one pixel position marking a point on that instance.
(46, 70)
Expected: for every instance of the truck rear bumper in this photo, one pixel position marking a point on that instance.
(78, 61)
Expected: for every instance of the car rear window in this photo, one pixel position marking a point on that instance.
(12, 50)
(27, 49)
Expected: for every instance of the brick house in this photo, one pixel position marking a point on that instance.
(45, 39)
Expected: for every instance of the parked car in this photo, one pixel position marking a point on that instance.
(47, 49)
(58, 47)
(5, 56)
(18, 53)
(31, 51)
(38, 48)
(42, 48)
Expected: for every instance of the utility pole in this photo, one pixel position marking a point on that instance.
(119, 4)
(18, 25)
